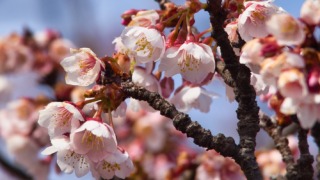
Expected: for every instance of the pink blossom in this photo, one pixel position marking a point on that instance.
(143, 44)
(142, 78)
(95, 139)
(193, 60)
(307, 110)
(251, 23)
(82, 68)
(193, 97)
(252, 52)
(310, 12)
(144, 18)
(60, 118)
(67, 159)
(287, 30)
(116, 164)
(291, 83)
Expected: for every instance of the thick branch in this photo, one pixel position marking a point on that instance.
(247, 112)
(202, 137)
(315, 132)
(280, 142)
(13, 170)
(304, 164)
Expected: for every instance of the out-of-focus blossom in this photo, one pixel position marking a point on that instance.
(60, 48)
(307, 110)
(215, 166)
(292, 84)
(82, 68)
(144, 18)
(286, 29)
(143, 44)
(251, 23)
(95, 139)
(310, 12)
(193, 97)
(60, 118)
(14, 55)
(151, 128)
(193, 60)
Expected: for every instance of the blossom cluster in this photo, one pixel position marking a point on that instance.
(285, 65)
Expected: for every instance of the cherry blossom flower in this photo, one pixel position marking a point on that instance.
(142, 78)
(286, 29)
(60, 118)
(251, 22)
(116, 164)
(291, 83)
(144, 18)
(310, 12)
(307, 110)
(272, 67)
(143, 44)
(251, 52)
(95, 139)
(215, 166)
(82, 68)
(193, 60)
(231, 30)
(193, 97)
(67, 159)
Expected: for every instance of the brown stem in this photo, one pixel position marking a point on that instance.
(280, 142)
(13, 170)
(315, 132)
(304, 163)
(239, 78)
(182, 122)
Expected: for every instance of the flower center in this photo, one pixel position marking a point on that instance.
(189, 63)
(86, 64)
(110, 167)
(144, 46)
(92, 140)
(62, 117)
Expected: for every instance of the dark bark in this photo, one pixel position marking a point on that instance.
(182, 122)
(315, 132)
(304, 163)
(239, 76)
(281, 144)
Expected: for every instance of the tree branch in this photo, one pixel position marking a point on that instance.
(315, 132)
(280, 142)
(247, 112)
(13, 170)
(304, 163)
(182, 122)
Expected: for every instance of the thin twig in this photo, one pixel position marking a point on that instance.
(182, 122)
(280, 142)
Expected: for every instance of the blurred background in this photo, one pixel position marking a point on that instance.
(96, 23)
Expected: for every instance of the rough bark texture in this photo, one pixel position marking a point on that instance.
(304, 163)
(315, 132)
(280, 142)
(182, 122)
(239, 78)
